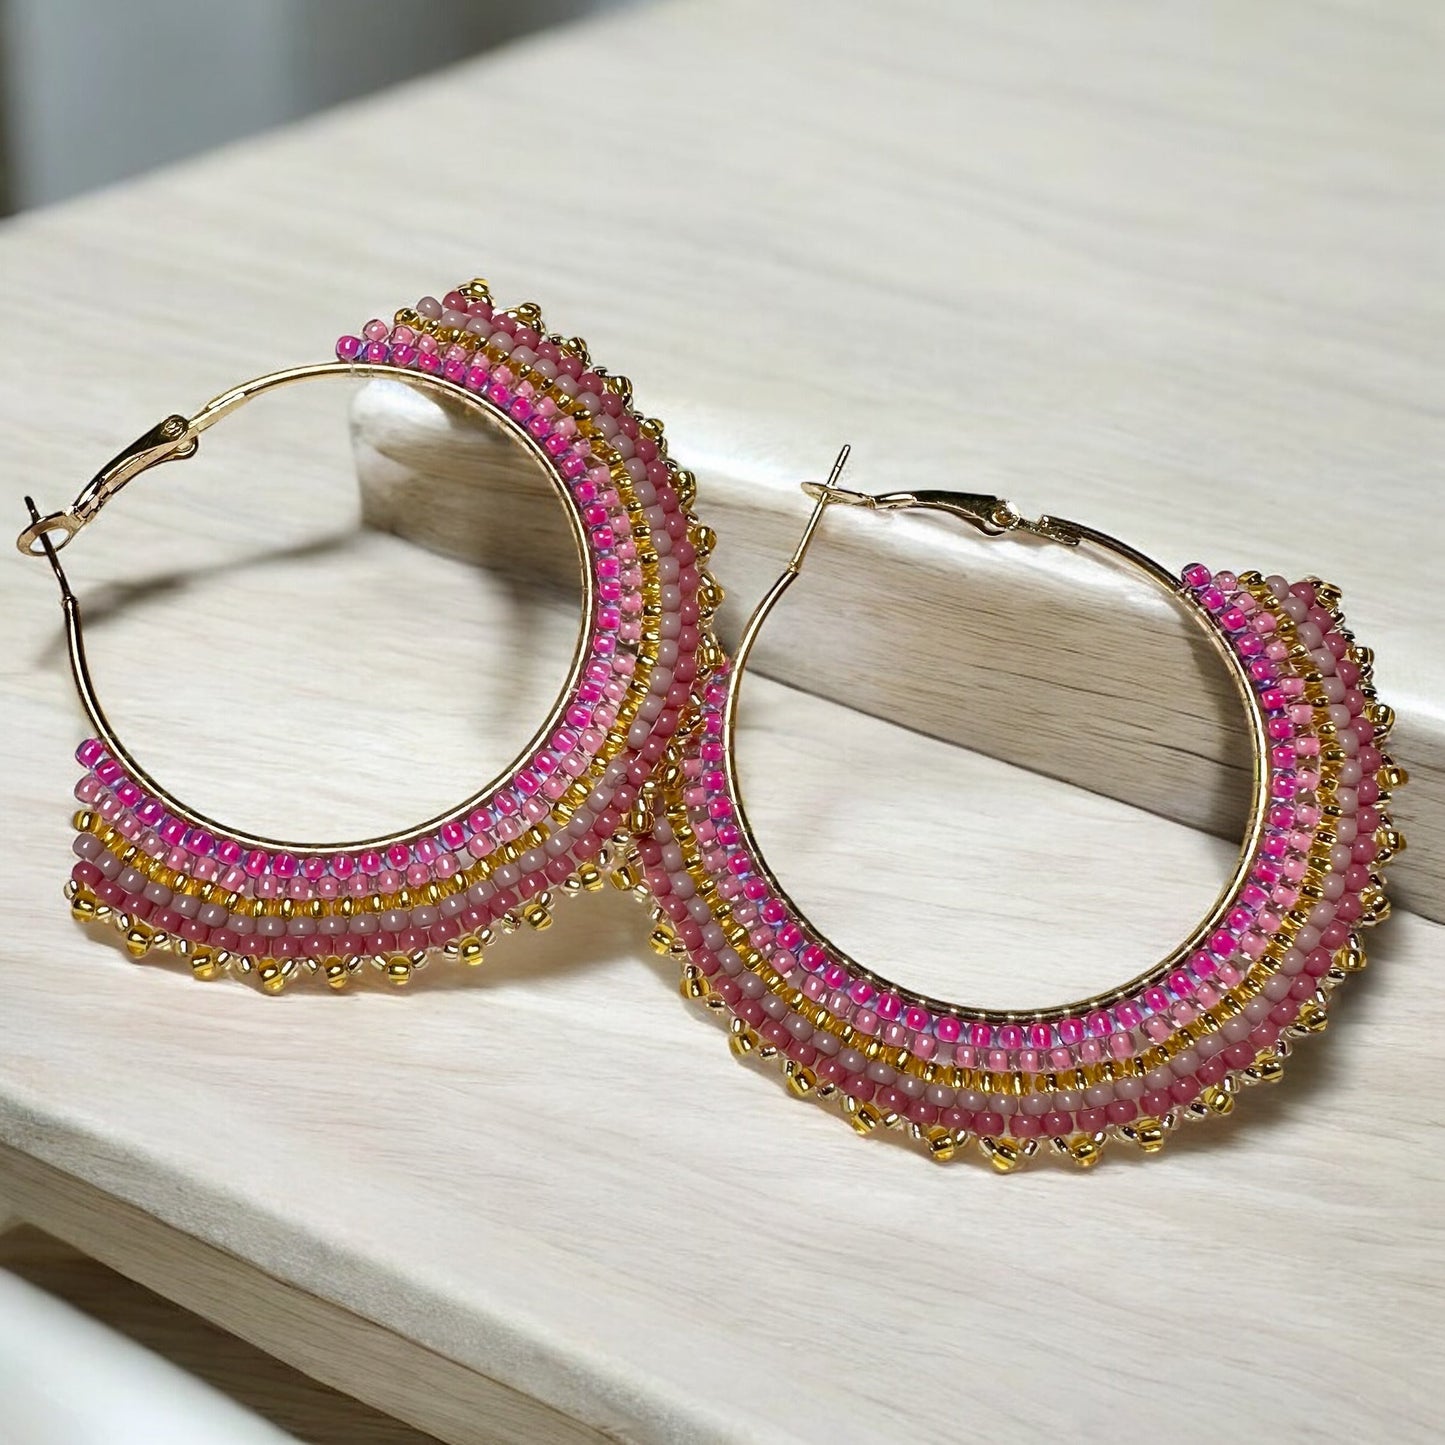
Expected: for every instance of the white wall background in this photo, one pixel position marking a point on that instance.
(95, 90)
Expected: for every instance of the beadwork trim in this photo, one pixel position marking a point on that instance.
(169, 882)
(1179, 1046)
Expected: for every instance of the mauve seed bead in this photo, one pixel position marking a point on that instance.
(800, 1028)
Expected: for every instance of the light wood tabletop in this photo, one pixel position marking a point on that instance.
(1172, 271)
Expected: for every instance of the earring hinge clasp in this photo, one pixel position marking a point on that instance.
(993, 516)
(168, 441)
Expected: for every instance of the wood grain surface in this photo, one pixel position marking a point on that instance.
(310, 1412)
(1170, 270)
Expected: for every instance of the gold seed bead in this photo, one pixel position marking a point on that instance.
(625, 877)
(1351, 957)
(1003, 1154)
(863, 1117)
(941, 1144)
(1149, 1134)
(742, 1041)
(83, 905)
(1268, 1068)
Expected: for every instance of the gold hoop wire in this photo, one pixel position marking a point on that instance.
(177, 438)
(995, 517)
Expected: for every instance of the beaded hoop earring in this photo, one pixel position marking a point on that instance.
(170, 878)
(1222, 1010)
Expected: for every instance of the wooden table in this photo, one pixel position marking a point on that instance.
(1169, 271)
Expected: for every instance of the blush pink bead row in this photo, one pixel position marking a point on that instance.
(1110, 1044)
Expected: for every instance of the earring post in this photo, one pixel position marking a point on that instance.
(822, 495)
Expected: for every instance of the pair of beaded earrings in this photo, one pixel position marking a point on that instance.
(634, 776)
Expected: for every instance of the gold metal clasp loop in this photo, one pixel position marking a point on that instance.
(990, 515)
(828, 492)
(993, 516)
(168, 441)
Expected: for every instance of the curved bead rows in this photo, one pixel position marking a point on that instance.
(1177, 1047)
(167, 881)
